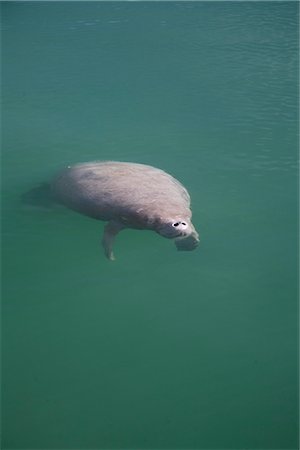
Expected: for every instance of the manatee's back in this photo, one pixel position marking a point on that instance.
(107, 190)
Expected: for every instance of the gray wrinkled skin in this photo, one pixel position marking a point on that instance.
(128, 195)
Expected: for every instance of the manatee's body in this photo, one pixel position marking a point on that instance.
(128, 195)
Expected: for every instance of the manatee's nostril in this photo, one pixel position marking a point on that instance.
(175, 224)
(183, 223)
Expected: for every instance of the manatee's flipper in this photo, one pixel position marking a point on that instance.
(110, 231)
(40, 196)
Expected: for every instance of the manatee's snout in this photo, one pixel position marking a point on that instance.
(182, 231)
(175, 228)
(188, 242)
(181, 227)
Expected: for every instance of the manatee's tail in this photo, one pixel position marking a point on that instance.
(39, 196)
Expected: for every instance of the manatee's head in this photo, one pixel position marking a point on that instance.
(182, 231)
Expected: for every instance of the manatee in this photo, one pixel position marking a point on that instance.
(128, 195)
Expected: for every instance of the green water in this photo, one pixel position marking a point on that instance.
(159, 349)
